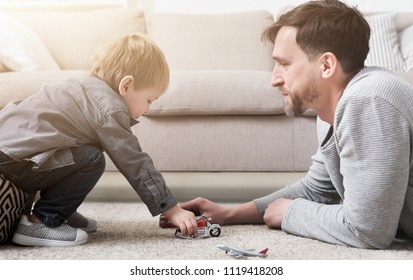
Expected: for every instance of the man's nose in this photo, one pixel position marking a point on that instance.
(276, 79)
(276, 76)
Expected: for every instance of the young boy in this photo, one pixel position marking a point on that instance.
(53, 142)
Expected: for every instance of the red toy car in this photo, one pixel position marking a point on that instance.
(205, 228)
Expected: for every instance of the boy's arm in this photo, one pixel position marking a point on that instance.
(123, 148)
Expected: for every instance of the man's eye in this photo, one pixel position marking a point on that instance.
(281, 64)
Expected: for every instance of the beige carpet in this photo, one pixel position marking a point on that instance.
(127, 231)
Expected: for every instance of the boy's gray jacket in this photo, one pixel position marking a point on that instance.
(359, 189)
(43, 127)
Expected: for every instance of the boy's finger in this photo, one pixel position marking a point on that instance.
(193, 228)
(183, 229)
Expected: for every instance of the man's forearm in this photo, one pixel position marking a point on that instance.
(246, 213)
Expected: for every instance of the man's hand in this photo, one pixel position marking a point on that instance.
(183, 219)
(274, 214)
(201, 206)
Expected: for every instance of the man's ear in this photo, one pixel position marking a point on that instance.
(328, 64)
(126, 84)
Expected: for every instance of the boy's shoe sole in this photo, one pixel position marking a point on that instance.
(31, 234)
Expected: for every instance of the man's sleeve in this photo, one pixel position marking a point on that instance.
(315, 186)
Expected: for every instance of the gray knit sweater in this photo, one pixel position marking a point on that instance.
(359, 189)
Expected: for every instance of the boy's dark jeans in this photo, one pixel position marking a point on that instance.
(62, 190)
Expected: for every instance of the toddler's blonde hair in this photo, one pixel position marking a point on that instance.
(134, 55)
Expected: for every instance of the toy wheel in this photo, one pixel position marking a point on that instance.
(215, 231)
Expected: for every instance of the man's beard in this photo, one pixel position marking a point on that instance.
(295, 104)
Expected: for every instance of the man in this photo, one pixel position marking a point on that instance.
(359, 190)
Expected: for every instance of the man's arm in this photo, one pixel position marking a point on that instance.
(315, 186)
(245, 213)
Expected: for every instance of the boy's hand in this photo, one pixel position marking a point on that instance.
(183, 219)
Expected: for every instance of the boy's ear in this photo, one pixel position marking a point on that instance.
(126, 84)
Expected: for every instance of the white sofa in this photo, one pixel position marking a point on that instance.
(220, 130)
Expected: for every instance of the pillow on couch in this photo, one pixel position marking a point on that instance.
(384, 45)
(406, 45)
(4, 68)
(219, 93)
(13, 89)
(71, 37)
(13, 202)
(213, 41)
(21, 49)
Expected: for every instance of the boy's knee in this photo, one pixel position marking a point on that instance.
(99, 161)
(99, 157)
(92, 157)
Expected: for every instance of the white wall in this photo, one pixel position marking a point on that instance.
(223, 6)
(213, 6)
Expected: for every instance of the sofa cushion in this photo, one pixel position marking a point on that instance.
(19, 85)
(213, 42)
(384, 45)
(219, 93)
(21, 49)
(71, 37)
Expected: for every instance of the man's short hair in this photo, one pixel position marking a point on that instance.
(327, 26)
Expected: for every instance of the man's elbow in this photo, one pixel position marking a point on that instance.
(372, 239)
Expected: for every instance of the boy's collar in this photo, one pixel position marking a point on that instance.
(133, 121)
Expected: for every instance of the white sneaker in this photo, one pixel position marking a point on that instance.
(32, 234)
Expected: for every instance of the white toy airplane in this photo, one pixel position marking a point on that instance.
(243, 253)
